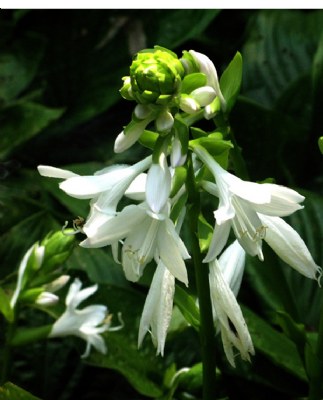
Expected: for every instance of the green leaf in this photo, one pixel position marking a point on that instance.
(140, 367)
(274, 345)
(22, 121)
(99, 266)
(5, 307)
(18, 64)
(230, 81)
(187, 306)
(320, 143)
(177, 26)
(9, 391)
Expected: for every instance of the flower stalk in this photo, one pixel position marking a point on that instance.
(207, 332)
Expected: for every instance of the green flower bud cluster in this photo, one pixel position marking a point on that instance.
(155, 77)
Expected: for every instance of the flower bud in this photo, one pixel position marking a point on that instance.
(155, 76)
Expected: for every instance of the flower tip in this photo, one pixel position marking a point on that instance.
(119, 144)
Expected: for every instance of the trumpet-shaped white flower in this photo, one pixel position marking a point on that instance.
(252, 210)
(226, 272)
(158, 308)
(106, 187)
(87, 323)
(145, 235)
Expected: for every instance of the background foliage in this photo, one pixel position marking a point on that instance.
(60, 75)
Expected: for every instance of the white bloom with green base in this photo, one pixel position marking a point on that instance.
(158, 308)
(87, 323)
(252, 210)
(226, 272)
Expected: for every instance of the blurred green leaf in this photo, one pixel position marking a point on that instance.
(98, 265)
(9, 391)
(5, 307)
(18, 64)
(273, 344)
(140, 367)
(22, 121)
(187, 306)
(177, 26)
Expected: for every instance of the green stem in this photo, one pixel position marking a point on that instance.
(239, 163)
(315, 380)
(207, 333)
(7, 354)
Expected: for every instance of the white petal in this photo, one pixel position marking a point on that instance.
(289, 246)
(284, 201)
(116, 228)
(158, 307)
(218, 241)
(53, 172)
(189, 105)
(251, 191)
(124, 141)
(227, 310)
(232, 263)
(136, 190)
(204, 95)
(170, 255)
(158, 185)
(164, 122)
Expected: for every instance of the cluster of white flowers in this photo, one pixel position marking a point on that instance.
(144, 231)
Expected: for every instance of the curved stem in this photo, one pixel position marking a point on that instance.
(207, 332)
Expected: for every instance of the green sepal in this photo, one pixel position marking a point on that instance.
(5, 307)
(193, 81)
(29, 335)
(182, 131)
(214, 146)
(178, 180)
(230, 81)
(30, 295)
(164, 99)
(148, 139)
(124, 91)
(205, 232)
(320, 143)
(187, 306)
(197, 132)
(58, 247)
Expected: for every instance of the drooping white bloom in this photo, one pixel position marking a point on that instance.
(145, 235)
(252, 210)
(105, 188)
(158, 308)
(226, 272)
(87, 323)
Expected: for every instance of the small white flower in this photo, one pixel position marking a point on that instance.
(87, 323)
(35, 251)
(145, 235)
(164, 121)
(158, 308)
(226, 272)
(130, 135)
(47, 299)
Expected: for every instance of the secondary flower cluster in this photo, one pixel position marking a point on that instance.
(169, 91)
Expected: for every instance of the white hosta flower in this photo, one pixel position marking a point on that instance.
(227, 312)
(47, 299)
(177, 158)
(158, 308)
(164, 121)
(207, 67)
(130, 134)
(145, 235)
(87, 323)
(106, 187)
(239, 205)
